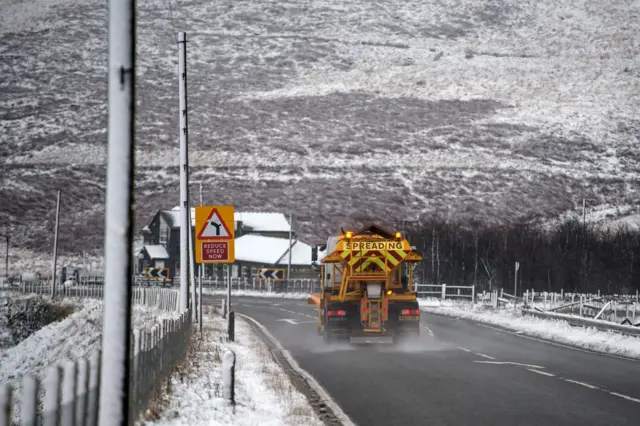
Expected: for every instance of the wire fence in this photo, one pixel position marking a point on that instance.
(68, 394)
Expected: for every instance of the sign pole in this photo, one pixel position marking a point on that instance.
(55, 249)
(290, 247)
(114, 390)
(228, 288)
(184, 166)
(200, 271)
(192, 271)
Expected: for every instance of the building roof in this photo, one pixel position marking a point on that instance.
(156, 251)
(271, 250)
(252, 221)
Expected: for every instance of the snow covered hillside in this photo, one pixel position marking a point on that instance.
(337, 111)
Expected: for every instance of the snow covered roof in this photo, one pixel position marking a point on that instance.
(156, 251)
(255, 221)
(263, 221)
(271, 250)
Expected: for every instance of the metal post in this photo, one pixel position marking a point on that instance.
(515, 281)
(228, 288)
(55, 249)
(114, 391)
(184, 165)
(200, 268)
(290, 246)
(200, 271)
(6, 260)
(192, 270)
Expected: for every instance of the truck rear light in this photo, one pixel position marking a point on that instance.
(410, 312)
(338, 313)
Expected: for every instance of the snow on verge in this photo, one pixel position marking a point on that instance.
(264, 393)
(254, 293)
(560, 331)
(72, 338)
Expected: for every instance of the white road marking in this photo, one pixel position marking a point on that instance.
(294, 322)
(509, 363)
(428, 329)
(625, 397)
(544, 373)
(464, 349)
(587, 385)
(324, 395)
(484, 356)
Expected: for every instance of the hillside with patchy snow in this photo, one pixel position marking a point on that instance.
(338, 111)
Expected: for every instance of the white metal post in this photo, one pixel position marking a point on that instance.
(192, 270)
(290, 247)
(184, 179)
(114, 392)
(55, 249)
(515, 282)
(200, 271)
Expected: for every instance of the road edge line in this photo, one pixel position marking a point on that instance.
(311, 381)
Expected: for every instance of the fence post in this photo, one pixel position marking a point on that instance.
(93, 395)
(68, 409)
(82, 390)
(29, 403)
(5, 405)
(232, 326)
(444, 291)
(473, 294)
(52, 397)
(228, 376)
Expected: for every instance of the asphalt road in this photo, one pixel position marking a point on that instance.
(458, 373)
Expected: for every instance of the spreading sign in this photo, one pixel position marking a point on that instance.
(215, 234)
(374, 245)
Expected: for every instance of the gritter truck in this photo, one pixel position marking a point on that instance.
(367, 293)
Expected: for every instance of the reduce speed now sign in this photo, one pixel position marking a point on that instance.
(215, 240)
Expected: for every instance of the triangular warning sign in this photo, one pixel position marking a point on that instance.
(214, 228)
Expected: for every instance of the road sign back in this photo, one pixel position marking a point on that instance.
(215, 237)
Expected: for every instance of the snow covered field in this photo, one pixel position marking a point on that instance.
(264, 394)
(491, 109)
(74, 337)
(553, 330)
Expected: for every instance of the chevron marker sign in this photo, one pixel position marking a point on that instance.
(270, 274)
(162, 273)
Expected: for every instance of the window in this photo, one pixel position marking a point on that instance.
(164, 236)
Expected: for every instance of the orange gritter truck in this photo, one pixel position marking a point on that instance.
(367, 293)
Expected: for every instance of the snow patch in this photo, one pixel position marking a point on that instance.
(264, 394)
(559, 331)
